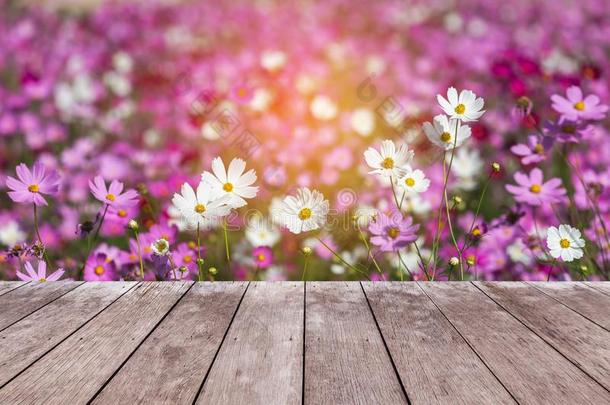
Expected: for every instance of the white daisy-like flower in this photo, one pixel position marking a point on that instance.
(466, 107)
(160, 247)
(565, 242)
(414, 182)
(261, 232)
(305, 212)
(203, 208)
(232, 182)
(389, 161)
(442, 130)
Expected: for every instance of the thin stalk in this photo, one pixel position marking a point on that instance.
(137, 235)
(305, 268)
(44, 249)
(341, 259)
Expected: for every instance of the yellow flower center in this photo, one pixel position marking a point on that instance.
(228, 187)
(471, 260)
(539, 149)
(199, 208)
(393, 232)
(99, 270)
(388, 163)
(446, 137)
(564, 243)
(535, 188)
(192, 244)
(568, 128)
(304, 214)
(110, 197)
(122, 213)
(460, 109)
(409, 181)
(187, 259)
(33, 188)
(42, 280)
(476, 231)
(161, 245)
(260, 257)
(579, 106)
(242, 92)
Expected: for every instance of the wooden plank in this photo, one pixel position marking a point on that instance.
(33, 336)
(6, 286)
(527, 366)
(584, 343)
(22, 301)
(261, 360)
(170, 365)
(587, 301)
(74, 371)
(602, 286)
(346, 361)
(434, 362)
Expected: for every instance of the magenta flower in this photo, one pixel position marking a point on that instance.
(263, 256)
(568, 131)
(534, 150)
(113, 196)
(391, 233)
(576, 106)
(100, 267)
(41, 275)
(31, 185)
(531, 189)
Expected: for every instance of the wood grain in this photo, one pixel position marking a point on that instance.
(75, 370)
(346, 361)
(587, 301)
(420, 339)
(260, 361)
(30, 338)
(527, 366)
(24, 300)
(603, 286)
(6, 286)
(170, 365)
(586, 344)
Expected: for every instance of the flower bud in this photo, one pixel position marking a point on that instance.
(182, 269)
(454, 261)
(306, 251)
(200, 262)
(457, 200)
(213, 271)
(495, 167)
(133, 225)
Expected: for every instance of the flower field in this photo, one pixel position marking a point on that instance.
(317, 140)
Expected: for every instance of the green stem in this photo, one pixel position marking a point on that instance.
(37, 230)
(342, 260)
(305, 268)
(91, 242)
(199, 264)
(139, 253)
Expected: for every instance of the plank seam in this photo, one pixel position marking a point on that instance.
(42, 306)
(592, 286)
(404, 391)
(304, 331)
(542, 338)
(469, 344)
(222, 341)
(13, 289)
(139, 344)
(566, 305)
(67, 337)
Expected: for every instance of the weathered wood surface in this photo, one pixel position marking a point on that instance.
(290, 342)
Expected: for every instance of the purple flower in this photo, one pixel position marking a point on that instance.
(263, 256)
(534, 150)
(391, 233)
(100, 267)
(531, 189)
(31, 185)
(113, 195)
(41, 275)
(568, 131)
(576, 106)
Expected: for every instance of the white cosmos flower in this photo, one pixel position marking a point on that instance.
(261, 232)
(305, 212)
(414, 182)
(234, 182)
(467, 166)
(465, 107)
(565, 242)
(160, 247)
(323, 108)
(442, 130)
(203, 208)
(389, 161)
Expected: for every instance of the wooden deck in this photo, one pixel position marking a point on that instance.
(315, 343)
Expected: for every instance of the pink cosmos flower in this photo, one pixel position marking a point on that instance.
(576, 106)
(41, 275)
(263, 256)
(99, 267)
(534, 150)
(391, 233)
(531, 189)
(568, 131)
(32, 184)
(113, 195)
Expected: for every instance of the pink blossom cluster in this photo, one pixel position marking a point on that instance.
(107, 112)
